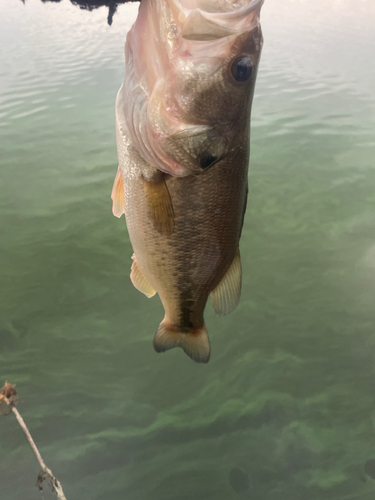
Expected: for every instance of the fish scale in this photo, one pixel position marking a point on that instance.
(183, 138)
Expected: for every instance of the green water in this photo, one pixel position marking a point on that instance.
(285, 409)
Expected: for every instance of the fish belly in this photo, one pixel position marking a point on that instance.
(186, 265)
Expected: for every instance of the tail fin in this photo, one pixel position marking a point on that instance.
(195, 342)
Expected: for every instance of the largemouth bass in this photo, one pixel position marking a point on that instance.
(183, 141)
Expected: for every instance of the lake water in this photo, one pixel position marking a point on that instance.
(285, 409)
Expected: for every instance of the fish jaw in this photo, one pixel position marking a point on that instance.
(207, 19)
(175, 81)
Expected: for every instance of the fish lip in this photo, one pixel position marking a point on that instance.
(201, 25)
(243, 11)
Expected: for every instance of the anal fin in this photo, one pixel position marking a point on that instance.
(139, 280)
(226, 295)
(117, 195)
(160, 206)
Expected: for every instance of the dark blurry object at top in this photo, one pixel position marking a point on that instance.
(94, 4)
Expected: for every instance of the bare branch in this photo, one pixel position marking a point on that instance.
(8, 401)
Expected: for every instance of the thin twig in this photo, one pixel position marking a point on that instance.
(8, 395)
(29, 438)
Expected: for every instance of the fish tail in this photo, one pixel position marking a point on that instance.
(195, 342)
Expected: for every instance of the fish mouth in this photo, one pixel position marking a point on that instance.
(201, 21)
(224, 8)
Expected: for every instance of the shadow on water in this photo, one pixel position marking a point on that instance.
(95, 4)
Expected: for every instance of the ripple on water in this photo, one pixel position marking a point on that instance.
(30, 112)
(284, 408)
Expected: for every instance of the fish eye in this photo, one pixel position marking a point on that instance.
(206, 160)
(241, 68)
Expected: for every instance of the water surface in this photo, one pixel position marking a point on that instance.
(285, 409)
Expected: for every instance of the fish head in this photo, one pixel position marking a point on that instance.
(196, 74)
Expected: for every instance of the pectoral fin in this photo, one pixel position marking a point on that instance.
(117, 195)
(226, 295)
(160, 206)
(139, 280)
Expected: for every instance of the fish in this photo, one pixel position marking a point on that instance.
(183, 142)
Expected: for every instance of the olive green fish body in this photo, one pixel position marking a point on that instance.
(183, 146)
